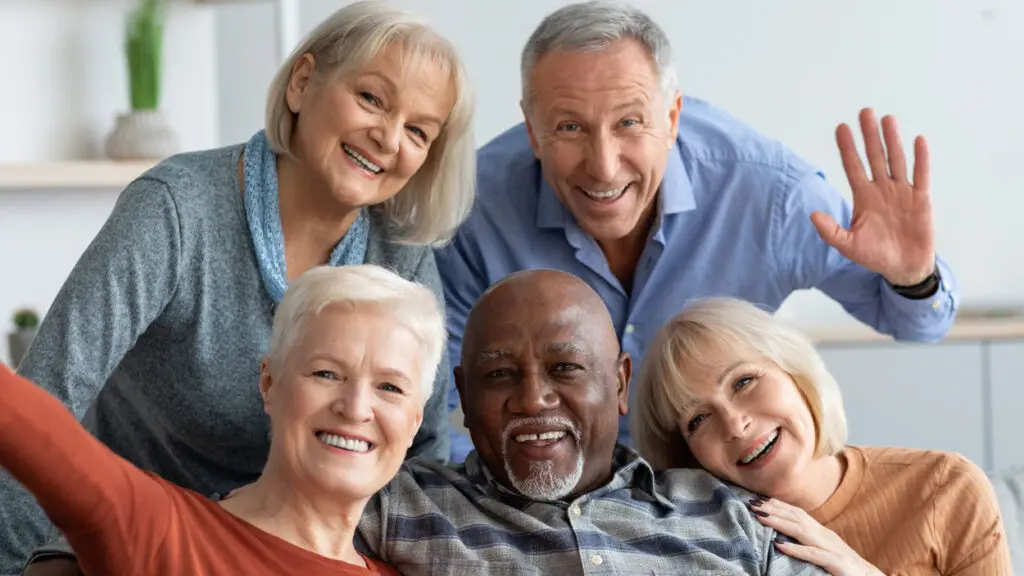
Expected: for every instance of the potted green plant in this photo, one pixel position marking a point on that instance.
(26, 322)
(144, 132)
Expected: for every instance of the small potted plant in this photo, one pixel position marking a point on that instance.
(26, 322)
(144, 133)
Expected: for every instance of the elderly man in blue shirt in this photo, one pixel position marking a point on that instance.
(654, 199)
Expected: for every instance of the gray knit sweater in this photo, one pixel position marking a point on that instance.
(155, 339)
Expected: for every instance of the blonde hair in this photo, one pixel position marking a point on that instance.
(412, 305)
(690, 339)
(438, 198)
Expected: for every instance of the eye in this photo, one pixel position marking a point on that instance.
(419, 133)
(499, 373)
(567, 367)
(389, 387)
(325, 374)
(370, 97)
(569, 127)
(691, 426)
(629, 122)
(742, 383)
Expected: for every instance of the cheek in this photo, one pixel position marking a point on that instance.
(397, 424)
(411, 159)
(561, 158)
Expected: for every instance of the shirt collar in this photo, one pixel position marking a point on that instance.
(676, 194)
(628, 468)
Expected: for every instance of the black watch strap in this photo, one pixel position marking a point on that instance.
(923, 289)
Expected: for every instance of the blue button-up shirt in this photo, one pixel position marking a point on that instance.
(733, 219)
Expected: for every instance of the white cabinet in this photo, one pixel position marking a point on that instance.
(928, 396)
(1006, 368)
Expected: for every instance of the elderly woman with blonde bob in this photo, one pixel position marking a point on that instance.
(367, 157)
(351, 364)
(728, 387)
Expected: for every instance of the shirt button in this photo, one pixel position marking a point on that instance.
(629, 328)
(596, 560)
(575, 510)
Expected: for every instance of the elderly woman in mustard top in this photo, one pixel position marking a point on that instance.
(730, 388)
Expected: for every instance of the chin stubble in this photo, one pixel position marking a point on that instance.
(542, 483)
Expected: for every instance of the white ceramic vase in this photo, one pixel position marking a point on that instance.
(142, 135)
(18, 343)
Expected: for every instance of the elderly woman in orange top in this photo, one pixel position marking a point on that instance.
(730, 388)
(352, 358)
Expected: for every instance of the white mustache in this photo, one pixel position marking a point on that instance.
(547, 421)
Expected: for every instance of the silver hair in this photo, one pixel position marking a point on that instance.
(592, 26)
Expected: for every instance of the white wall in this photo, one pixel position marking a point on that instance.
(64, 80)
(951, 69)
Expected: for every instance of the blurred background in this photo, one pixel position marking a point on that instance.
(953, 70)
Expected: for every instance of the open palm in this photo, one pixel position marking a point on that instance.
(892, 231)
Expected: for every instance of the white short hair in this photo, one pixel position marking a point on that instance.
(438, 198)
(592, 26)
(412, 305)
(692, 338)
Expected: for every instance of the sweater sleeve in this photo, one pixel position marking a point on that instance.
(967, 522)
(103, 504)
(119, 286)
(432, 441)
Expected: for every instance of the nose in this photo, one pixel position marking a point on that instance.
(737, 423)
(603, 157)
(354, 402)
(386, 133)
(535, 396)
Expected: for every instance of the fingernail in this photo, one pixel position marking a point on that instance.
(764, 498)
(755, 502)
(760, 513)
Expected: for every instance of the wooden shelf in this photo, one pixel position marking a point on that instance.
(70, 175)
(963, 329)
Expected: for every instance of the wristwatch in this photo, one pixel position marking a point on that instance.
(923, 289)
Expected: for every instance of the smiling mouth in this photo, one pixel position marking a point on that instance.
(605, 195)
(361, 160)
(344, 443)
(542, 439)
(761, 450)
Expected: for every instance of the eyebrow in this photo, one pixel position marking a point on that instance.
(688, 406)
(491, 355)
(563, 111)
(395, 374)
(391, 373)
(571, 347)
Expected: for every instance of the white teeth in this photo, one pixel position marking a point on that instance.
(545, 436)
(350, 444)
(362, 160)
(760, 447)
(605, 195)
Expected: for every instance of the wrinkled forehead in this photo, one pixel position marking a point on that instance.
(529, 334)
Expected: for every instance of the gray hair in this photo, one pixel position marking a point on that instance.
(663, 388)
(412, 305)
(438, 198)
(592, 26)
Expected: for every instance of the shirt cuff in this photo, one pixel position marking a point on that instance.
(59, 548)
(944, 301)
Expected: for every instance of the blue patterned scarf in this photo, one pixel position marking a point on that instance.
(261, 207)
